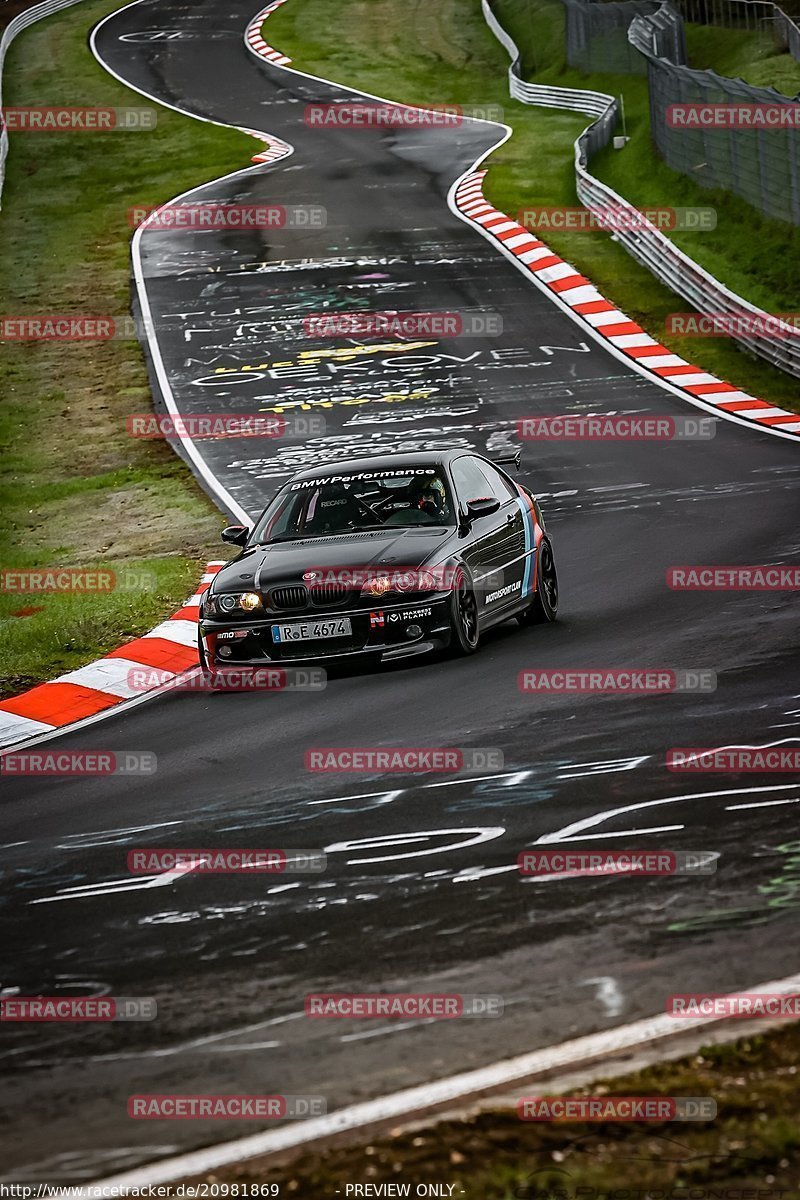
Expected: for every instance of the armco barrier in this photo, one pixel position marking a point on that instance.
(29, 17)
(648, 245)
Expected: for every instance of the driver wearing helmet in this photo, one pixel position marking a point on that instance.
(427, 494)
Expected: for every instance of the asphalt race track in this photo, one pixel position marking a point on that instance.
(421, 892)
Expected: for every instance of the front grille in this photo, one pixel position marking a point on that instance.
(329, 593)
(290, 597)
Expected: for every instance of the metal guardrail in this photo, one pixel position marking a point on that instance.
(15, 27)
(576, 99)
(645, 243)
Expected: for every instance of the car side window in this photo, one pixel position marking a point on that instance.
(501, 488)
(470, 481)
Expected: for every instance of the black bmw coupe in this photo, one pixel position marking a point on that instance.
(381, 557)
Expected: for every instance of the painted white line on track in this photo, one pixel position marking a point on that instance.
(578, 827)
(761, 804)
(112, 887)
(579, 1051)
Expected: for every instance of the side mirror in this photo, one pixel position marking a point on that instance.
(482, 508)
(236, 535)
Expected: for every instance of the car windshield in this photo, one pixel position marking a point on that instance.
(348, 503)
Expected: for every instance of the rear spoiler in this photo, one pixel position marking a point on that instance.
(507, 458)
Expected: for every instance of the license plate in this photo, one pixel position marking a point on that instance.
(306, 631)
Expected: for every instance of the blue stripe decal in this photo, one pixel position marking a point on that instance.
(527, 524)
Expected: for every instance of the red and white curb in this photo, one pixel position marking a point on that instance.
(275, 148)
(613, 326)
(170, 650)
(256, 42)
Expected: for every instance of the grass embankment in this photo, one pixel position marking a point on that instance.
(751, 1150)
(417, 52)
(741, 54)
(75, 490)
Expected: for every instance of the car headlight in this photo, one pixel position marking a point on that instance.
(428, 582)
(377, 585)
(401, 581)
(407, 582)
(230, 602)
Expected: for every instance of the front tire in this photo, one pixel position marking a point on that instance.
(464, 634)
(544, 606)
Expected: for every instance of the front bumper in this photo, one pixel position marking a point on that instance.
(395, 630)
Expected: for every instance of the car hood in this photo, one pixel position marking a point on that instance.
(287, 561)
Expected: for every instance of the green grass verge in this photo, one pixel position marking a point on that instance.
(743, 55)
(417, 52)
(75, 490)
(751, 1151)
